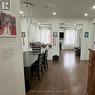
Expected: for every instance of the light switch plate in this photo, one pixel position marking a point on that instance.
(8, 52)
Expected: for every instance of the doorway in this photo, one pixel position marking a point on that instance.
(70, 38)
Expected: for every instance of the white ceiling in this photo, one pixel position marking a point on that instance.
(63, 8)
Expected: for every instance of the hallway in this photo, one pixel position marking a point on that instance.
(66, 77)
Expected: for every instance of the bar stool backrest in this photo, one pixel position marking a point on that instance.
(46, 54)
(40, 58)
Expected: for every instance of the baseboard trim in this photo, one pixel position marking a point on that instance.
(84, 60)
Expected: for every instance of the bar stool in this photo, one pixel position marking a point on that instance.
(37, 67)
(45, 62)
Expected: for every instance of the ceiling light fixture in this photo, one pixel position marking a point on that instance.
(93, 7)
(28, 13)
(86, 14)
(21, 12)
(54, 13)
(28, 4)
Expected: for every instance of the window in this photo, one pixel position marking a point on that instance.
(45, 34)
(70, 36)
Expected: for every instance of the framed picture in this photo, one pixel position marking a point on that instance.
(55, 34)
(86, 34)
(7, 25)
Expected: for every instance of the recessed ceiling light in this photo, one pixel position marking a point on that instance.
(54, 13)
(86, 14)
(93, 7)
(39, 23)
(21, 12)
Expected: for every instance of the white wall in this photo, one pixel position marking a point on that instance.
(31, 31)
(24, 28)
(11, 67)
(93, 33)
(85, 42)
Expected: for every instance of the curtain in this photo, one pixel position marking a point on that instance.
(45, 36)
(70, 37)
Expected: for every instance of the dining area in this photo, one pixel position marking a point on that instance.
(35, 66)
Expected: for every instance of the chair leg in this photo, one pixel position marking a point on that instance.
(45, 68)
(42, 70)
(38, 74)
(47, 64)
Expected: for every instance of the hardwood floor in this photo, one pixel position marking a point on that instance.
(66, 77)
